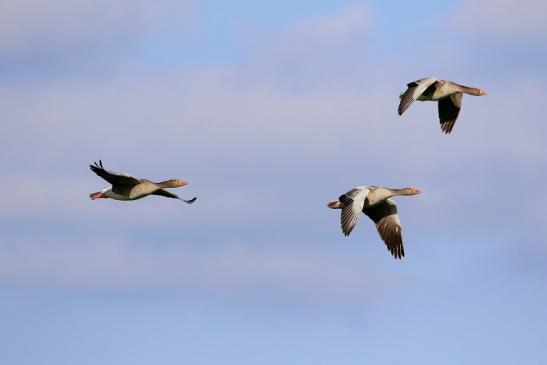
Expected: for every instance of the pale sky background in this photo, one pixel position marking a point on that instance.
(271, 109)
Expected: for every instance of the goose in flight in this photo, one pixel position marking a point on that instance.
(375, 203)
(448, 94)
(126, 187)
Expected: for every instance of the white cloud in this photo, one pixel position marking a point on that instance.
(313, 50)
(231, 271)
(245, 147)
(257, 151)
(35, 25)
(503, 18)
(345, 24)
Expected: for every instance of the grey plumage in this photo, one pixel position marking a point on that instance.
(374, 202)
(448, 95)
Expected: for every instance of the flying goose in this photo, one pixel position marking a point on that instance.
(375, 203)
(126, 187)
(448, 94)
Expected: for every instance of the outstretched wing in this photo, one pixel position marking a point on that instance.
(353, 202)
(114, 178)
(449, 109)
(165, 193)
(384, 215)
(415, 89)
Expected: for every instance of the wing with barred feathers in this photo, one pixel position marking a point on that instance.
(415, 89)
(384, 215)
(353, 202)
(449, 109)
(113, 177)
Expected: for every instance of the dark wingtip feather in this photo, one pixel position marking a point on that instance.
(93, 166)
(407, 98)
(447, 126)
(398, 252)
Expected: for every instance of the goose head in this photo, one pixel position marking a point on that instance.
(175, 183)
(413, 191)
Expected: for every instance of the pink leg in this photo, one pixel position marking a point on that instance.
(336, 205)
(97, 195)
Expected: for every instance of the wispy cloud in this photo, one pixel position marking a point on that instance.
(31, 26)
(311, 51)
(203, 125)
(347, 23)
(263, 153)
(231, 271)
(503, 19)
(266, 138)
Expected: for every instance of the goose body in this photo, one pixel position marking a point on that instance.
(126, 187)
(374, 202)
(448, 95)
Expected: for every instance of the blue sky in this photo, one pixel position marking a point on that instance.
(270, 110)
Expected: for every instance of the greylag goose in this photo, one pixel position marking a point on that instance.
(375, 203)
(448, 94)
(126, 187)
